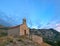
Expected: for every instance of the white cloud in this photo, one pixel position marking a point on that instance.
(57, 27)
(35, 26)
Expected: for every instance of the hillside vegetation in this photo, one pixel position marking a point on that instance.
(50, 36)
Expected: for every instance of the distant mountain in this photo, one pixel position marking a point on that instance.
(49, 35)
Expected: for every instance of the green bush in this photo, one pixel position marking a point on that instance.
(58, 43)
(3, 34)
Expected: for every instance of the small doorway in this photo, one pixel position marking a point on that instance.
(24, 32)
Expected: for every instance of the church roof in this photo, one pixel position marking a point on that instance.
(2, 27)
(13, 27)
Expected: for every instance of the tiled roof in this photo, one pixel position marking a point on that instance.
(13, 27)
(1, 27)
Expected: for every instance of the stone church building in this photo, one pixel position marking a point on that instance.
(19, 30)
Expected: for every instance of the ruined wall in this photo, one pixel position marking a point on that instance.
(37, 39)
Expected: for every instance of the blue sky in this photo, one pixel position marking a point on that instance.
(39, 13)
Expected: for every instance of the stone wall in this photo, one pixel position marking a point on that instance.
(37, 39)
(14, 31)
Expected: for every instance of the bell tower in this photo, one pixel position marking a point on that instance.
(24, 21)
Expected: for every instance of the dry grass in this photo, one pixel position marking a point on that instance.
(24, 41)
(5, 40)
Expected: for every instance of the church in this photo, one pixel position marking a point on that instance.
(19, 30)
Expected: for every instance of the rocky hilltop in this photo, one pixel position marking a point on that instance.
(50, 36)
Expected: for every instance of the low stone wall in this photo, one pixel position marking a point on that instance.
(37, 39)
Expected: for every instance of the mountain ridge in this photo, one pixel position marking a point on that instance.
(50, 36)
